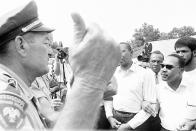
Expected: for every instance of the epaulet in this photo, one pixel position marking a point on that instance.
(7, 83)
(12, 86)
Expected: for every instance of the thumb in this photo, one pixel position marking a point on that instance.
(118, 122)
(79, 28)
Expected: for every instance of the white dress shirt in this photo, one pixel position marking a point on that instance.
(151, 80)
(129, 92)
(173, 105)
(134, 86)
(189, 78)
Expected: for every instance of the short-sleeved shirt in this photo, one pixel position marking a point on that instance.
(173, 104)
(17, 108)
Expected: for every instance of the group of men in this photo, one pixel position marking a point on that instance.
(135, 86)
(141, 97)
(159, 98)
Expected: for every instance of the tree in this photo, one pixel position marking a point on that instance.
(137, 43)
(147, 32)
(163, 36)
(186, 31)
(174, 33)
(180, 32)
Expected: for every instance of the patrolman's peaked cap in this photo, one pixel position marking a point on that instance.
(20, 21)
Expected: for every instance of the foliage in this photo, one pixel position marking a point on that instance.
(178, 32)
(147, 33)
(137, 43)
(164, 36)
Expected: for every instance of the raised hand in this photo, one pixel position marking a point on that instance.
(96, 55)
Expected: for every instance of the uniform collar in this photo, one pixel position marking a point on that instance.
(25, 89)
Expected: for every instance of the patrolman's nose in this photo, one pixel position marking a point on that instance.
(50, 52)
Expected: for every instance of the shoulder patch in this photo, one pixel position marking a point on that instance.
(12, 108)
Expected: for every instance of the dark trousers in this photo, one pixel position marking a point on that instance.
(152, 124)
(155, 123)
(102, 122)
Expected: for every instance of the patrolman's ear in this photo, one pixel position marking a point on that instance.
(182, 69)
(20, 45)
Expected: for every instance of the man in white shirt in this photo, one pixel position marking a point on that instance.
(156, 58)
(172, 93)
(186, 47)
(134, 86)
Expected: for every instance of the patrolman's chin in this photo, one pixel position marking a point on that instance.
(44, 71)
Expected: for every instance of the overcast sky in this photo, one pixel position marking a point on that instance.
(118, 17)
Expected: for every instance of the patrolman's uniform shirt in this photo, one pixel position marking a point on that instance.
(40, 87)
(17, 108)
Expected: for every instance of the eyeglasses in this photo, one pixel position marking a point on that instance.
(169, 67)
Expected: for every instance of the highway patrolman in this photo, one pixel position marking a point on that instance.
(24, 50)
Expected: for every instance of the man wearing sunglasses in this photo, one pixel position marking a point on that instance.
(186, 48)
(171, 93)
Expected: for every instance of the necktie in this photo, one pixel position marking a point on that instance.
(156, 79)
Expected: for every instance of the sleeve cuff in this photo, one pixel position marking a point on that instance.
(138, 119)
(108, 108)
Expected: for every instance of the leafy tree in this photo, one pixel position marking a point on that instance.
(163, 36)
(174, 33)
(186, 31)
(147, 32)
(180, 32)
(137, 43)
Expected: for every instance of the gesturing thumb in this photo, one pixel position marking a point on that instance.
(79, 28)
